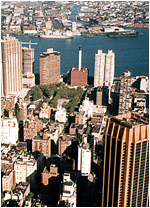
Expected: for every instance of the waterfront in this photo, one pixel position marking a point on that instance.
(130, 53)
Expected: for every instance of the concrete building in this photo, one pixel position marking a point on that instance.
(48, 25)
(68, 194)
(7, 180)
(45, 111)
(78, 76)
(74, 26)
(84, 158)
(49, 67)
(11, 63)
(54, 130)
(60, 114)
(32, 126)
(46, 175)
(126, 162)
(25, 169)
(42, 143)
(50, 182)
(104, 68)
(139, 103)
(28, 77)
(63, 143)
(125, 100)
(19, 194)
(9, 130)
(21, 110)
(102, 95)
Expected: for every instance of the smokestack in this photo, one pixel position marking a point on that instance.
(80, 58)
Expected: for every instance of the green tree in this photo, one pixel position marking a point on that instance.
(35, 92)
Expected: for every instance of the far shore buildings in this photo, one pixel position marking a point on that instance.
(104, 68)
(11, 65)
(50, 67)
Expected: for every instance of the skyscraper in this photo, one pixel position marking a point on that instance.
(104, 68)
(126, 162)
(49, 67)
(11, 57)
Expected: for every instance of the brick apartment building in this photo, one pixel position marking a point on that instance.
(49, 67)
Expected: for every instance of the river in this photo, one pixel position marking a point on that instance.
(131, 53)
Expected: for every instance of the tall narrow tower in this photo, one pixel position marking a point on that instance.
(11, 54)
(126, 162)
(80, 58)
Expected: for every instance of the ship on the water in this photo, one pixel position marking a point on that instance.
(57, 35)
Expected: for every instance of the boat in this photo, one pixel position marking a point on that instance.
(57, 36)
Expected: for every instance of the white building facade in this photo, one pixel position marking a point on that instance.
(68, 195)
(104, 68)
(84, 159)
(9, 130)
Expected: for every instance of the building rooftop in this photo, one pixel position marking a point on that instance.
(68, 183)
(82, 69)
(129, 120)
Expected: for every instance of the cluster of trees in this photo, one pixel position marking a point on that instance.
(75, 95)
(37, 92)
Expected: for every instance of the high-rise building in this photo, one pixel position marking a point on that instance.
(126, 162)
(49, 67)
(125, 99)
(11, 62)
(104, 68)
(27, 66)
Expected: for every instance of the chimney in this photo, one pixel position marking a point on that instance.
(80, 58)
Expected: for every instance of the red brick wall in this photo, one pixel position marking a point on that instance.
(79, 78)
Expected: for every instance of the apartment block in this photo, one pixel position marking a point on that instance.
(68, 196)
(63, 143)
(46, 175)
(9, 130)
(84, 158)
(42, 143)
(21, 110)
(7, 180)
(45, 111)
(60, 114)
(126, 162)
(25, 169)
(104, 68)
(49, 67)
(32, 126)
(125, 100)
